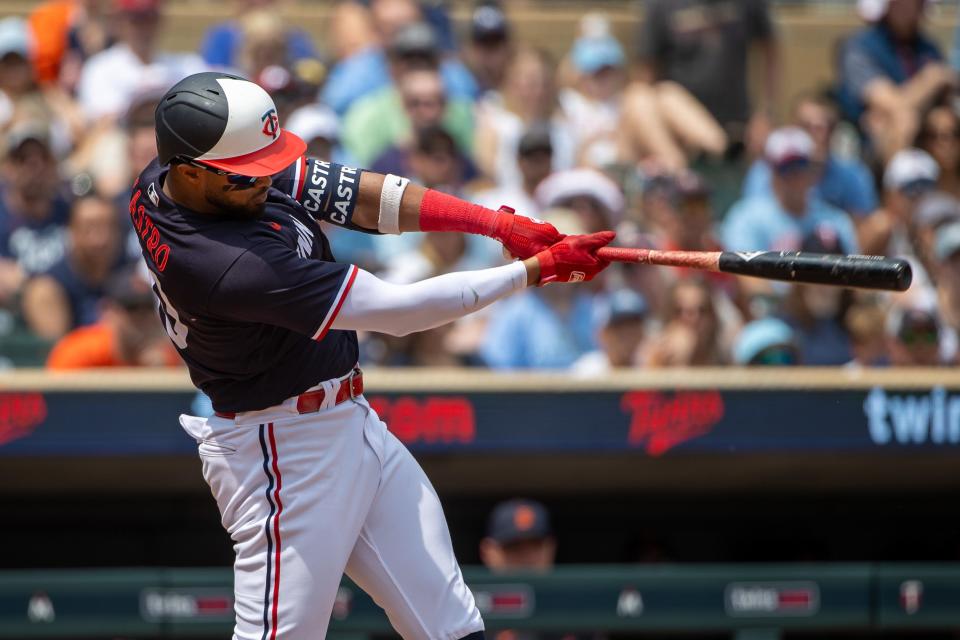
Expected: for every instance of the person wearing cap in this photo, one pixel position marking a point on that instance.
(889, 73)
(845, 183)
(909, 176)
(519, 537)
(34, 207)
(488, 47)
(223, 42)
(714, 68)
(766, 342)
(312, 483)
(386, 52)
(535, 161)
(596, 199)
(112, 77)
(935, 210)
(126, 335)
(620, 337)
(916, 336)
(592, 104)
(779, 221)
(418, 98)
(68, 294)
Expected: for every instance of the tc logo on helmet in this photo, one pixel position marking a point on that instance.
(271, 123)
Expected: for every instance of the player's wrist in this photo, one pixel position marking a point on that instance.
(532, 265)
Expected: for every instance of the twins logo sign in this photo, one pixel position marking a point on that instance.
(271, 123)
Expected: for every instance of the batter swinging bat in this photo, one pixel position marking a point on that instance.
(868, 272)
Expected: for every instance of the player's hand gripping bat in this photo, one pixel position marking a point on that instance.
(868, 272)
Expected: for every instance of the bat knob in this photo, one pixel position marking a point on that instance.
(903, 275)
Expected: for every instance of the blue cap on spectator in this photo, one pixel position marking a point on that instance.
(518, 520)
(589, 55)
(768, 341)
(911, 171)
(14, 37)
(947, 242)
(625, 305)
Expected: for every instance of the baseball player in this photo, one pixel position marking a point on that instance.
(309, 482)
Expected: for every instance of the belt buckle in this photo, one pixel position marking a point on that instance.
(353, 374)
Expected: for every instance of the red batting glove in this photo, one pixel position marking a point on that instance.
(574, 259)
(521, 236)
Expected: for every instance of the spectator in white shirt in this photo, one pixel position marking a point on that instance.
(112, 77)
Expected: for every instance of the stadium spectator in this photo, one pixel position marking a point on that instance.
(65, 33)
(489, 47)
(934, 211)
(519, 537)
(543, 327)
(224, 43)
(890, 72)
(592, 105)
(534, 158)
(318, 126)
(68, 295)
(528, 96)
(596, 199)
(865, 323)
(23, 98)
(691, 335)
(620, 336)
(910, 175)
(947, 251)
(766, 342)
(368, 68)
(419, 99)
(940, 137)
(781, 220)
(845, 183)
(704, 46)
(34, 208)
(127, 334)
(915, 335)
(111, 78)
(816, 313)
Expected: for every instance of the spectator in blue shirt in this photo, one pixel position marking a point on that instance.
(890, 72)
(779, 221)
(369, 69)
(843, 183)
(223, 42)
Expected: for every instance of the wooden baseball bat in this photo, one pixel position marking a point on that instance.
(867, 272)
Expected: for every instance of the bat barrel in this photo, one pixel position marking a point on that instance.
(868, 272)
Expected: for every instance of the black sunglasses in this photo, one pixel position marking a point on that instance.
(232, 178)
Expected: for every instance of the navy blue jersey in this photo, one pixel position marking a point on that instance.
(249, 303)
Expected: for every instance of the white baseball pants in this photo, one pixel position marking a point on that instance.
(307, 498)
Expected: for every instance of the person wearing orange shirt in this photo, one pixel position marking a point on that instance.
(127, 335)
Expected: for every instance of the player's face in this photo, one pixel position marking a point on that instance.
(235, 200)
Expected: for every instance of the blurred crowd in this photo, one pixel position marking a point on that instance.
(659, 138)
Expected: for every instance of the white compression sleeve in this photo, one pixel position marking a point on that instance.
(399, 309)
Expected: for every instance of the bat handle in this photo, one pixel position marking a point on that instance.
(621, 254)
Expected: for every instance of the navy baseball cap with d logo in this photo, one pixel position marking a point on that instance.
(225, 122)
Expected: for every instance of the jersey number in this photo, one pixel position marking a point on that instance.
(171, 319)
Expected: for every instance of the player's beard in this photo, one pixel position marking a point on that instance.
(230, 208)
